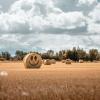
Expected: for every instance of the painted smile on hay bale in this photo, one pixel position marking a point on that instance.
(32, 60)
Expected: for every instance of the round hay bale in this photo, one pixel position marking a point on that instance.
(68, 61)
(63, 61)
(32, 60)
(47, 62)
(2, 59)
(53, 61)
(81, 61)
(95, 61)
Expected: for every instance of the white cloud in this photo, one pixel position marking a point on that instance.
(94, 20)
(87, 2)
(67, 20)
(95, 14)
(58, 42)
(12, 23)
(0, 7)
(35, 24)
(94, 28)
(27, 16)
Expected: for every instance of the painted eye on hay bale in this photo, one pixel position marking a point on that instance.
(32, 60)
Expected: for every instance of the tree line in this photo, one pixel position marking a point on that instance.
(74, 54)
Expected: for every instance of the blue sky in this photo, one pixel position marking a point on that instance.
(49, 24)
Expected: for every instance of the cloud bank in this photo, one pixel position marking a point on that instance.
(49, 24)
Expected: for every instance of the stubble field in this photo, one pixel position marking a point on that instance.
(78, 81)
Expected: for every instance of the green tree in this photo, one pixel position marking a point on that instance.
(6, 55)
(93, 53)
(20, 54)
(50, 53)
(81, 54)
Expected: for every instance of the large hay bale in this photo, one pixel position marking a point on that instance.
(53, 61)
(81, 61)
(68, 61)
(32, 60)
(47, 62)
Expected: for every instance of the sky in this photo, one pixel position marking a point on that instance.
(41, 25)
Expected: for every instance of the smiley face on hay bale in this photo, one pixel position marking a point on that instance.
(32, 60)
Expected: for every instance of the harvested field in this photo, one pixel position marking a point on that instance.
(78, 81)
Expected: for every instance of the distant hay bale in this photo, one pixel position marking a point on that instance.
(63, 61)
(2, 59)
(89, 61)
(81, 61)
(47, 62)
(68, 61)
(32, 60)
(53, 61)
(95, 61)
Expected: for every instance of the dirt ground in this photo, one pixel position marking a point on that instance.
(78, 81)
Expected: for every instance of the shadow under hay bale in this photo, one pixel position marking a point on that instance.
(32, 60)
(47, 62)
